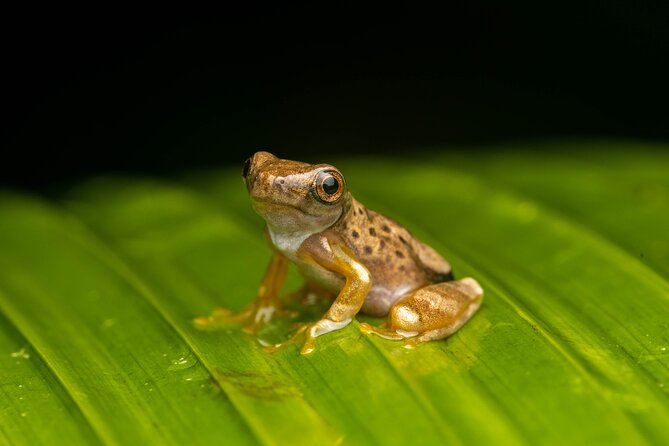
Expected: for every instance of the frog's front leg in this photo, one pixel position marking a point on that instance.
(430, 313)
(266, 305)
(334, 255)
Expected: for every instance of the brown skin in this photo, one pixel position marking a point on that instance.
(371, 263)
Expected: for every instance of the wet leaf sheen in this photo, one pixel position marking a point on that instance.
(97, 291)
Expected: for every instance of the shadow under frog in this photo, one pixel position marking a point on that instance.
(364, 261)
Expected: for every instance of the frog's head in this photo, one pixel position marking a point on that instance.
(293, 196)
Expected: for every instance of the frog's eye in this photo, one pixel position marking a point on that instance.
(246, 168)
(329, 186)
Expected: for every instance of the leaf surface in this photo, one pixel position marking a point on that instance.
(98, 290)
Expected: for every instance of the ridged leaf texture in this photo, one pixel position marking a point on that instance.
(98, 287)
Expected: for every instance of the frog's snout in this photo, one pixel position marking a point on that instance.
(252, 164)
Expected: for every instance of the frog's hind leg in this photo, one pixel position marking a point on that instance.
(432, 312)
(381, 331)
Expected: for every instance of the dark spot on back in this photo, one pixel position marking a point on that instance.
(385, 228)
(355, 234)
(368, 249)
(399, 254)
(383, 244)
(402, 268)
(372, 231)
(402, 240)
(360, 211)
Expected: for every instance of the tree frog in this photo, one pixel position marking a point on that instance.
(365, 261)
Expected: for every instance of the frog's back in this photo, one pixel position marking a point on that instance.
(397, 261)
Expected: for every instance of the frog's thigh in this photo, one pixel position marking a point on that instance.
(435, 311)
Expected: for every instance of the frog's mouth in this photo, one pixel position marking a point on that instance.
(264, 206)
(273, 211)
(265, 203)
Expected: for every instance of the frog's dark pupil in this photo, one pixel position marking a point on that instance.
(246, 168)
(330, 185)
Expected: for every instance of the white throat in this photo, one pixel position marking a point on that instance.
(288, 242)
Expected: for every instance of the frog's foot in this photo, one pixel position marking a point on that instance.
(252, 317)
(430, 313)
(264, 314)
(310, 331)
(271, 348)
(411, 338)
(380, 331)
(222, 317)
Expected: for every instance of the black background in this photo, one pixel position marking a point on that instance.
(97, 91)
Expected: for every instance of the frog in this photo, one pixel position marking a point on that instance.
(359, 259)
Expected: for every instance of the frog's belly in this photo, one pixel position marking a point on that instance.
(379, 300)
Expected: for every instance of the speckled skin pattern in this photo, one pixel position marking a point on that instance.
(398, 262)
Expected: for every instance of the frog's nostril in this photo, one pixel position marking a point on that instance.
(246, 168)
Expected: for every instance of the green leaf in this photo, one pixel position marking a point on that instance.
(97, 291)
